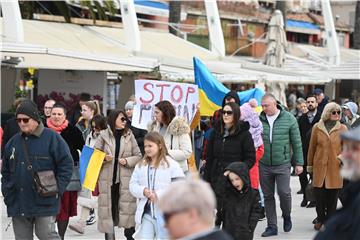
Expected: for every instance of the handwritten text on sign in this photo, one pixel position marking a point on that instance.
(183, 96)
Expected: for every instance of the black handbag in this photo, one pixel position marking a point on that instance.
(309, 192)
(74, 184)
(45, 181)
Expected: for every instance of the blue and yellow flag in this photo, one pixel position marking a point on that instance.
(91, 161)
(212, 92)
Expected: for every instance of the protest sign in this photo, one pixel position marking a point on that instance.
(183, 96)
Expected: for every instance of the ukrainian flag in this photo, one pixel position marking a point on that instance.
(91, 161)
(212, 92)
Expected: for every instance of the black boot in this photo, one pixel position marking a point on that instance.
(128, 233)
(62, 225)
(109, 236)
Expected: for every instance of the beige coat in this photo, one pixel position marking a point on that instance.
(127, 203)
(322, 158)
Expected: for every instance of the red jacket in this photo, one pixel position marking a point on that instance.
(254, 171)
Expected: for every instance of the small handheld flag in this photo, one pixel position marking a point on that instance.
(91, 161)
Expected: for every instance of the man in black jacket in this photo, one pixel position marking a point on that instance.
(306, 122)
(344, 224)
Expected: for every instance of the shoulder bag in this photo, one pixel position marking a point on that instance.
(45, 181)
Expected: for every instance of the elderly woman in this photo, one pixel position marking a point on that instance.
(116, 204)
(72, 136)
(323, 163)
(175, 132)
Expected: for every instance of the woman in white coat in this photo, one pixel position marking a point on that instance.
(175, 131)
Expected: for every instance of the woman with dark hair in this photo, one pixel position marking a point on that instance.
(72, 136)
(175, 132)
(122, 154)
(85, 200)
(230, 142)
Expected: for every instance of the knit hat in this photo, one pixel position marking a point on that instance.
(30, 109)
(352, 107)
(129, 105)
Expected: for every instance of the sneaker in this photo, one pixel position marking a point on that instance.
(287, 224)
(303, 203)
(317, 226)
(270, 231)
(311, 205)
(92, 218)
(78, 227)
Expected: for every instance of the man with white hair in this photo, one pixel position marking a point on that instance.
(344, 224)
(188, 208)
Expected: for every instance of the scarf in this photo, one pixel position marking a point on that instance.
(329, 124)
(57, 129)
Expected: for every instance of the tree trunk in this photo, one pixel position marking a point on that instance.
(174, 15)
(356, 35)
(281, 5)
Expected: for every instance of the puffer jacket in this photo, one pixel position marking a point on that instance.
(256, 127)
(127, 203)
(165, 174)
(177, 140)
(241, 208)
(285, 135)
(47, 151)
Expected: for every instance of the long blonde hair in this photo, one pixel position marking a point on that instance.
(156, 138)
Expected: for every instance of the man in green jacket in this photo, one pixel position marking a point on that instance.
(281, 133)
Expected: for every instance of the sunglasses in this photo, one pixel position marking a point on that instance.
(123, 119)
(335, 112)
(227, 112)
(24, 120)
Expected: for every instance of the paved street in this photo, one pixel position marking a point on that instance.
(302, 227)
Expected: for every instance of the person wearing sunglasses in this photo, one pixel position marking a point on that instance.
(323, 163)
(35, 149)
(122, 154)
(230, 142)
(344, 224)
(85, 200)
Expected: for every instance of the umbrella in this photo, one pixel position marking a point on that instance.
(275, 53)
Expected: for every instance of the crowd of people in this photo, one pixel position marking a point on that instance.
(147, 186)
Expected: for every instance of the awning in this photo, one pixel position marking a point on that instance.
(302, 27)
(152, 8)
(47, 61)
(312, 60)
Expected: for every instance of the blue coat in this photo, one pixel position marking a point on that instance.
(47, 151)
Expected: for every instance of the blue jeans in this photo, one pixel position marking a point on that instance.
(150, 229)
